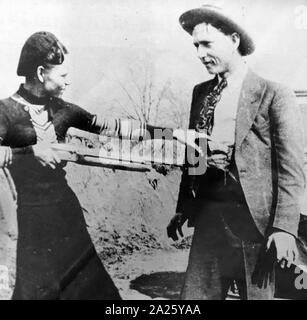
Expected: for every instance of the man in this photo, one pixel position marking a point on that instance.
(245, 208)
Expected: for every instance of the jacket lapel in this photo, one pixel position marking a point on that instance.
(249, 103)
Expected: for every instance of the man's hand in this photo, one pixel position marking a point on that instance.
(175, 225)
(286, 249)
(45, 155)
(6, 156)
(188, 137)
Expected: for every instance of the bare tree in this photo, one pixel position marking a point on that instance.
(179, 106)
(143, 96)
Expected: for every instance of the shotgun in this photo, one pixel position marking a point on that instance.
(100, 158)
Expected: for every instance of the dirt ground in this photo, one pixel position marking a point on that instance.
(154, 275)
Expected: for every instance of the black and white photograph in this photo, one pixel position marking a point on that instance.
(153, 150)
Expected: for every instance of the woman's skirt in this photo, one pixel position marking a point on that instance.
(56, 258)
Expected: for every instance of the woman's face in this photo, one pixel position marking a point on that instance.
(55, 79)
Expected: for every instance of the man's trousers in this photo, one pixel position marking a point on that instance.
(227, 246)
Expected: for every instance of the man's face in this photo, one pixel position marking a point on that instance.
(215, 49)
(56, 79)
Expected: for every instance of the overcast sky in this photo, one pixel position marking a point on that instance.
(106, 38)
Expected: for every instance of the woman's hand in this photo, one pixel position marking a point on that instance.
(6, 156)
(45, 155)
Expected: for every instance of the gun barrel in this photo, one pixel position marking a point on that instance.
(95, 157)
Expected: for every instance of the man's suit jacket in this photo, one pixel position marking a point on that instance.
(268, 154)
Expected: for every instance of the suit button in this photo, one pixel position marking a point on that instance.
(26, 108)
(242, 170)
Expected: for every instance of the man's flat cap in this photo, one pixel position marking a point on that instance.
(40, 48)
(219, 19)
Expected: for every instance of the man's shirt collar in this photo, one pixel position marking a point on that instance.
(235, 79)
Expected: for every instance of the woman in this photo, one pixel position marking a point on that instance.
(56, 258)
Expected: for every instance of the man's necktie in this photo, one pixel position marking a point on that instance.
(205, 125)
(206, 121)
